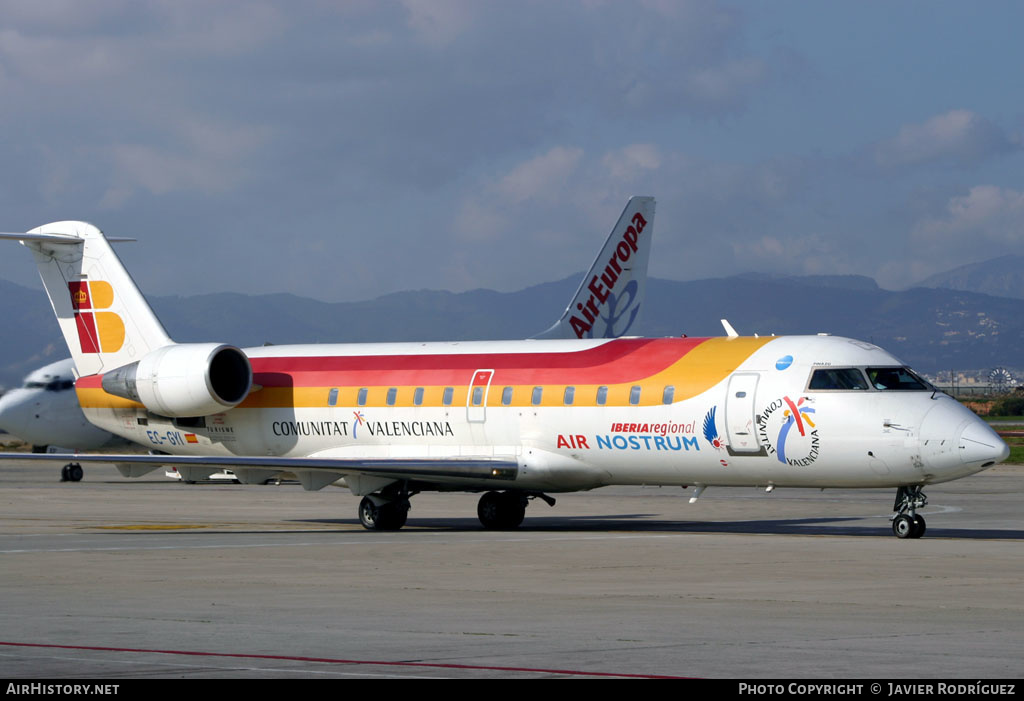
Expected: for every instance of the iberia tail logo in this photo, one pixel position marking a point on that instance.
(98, 331)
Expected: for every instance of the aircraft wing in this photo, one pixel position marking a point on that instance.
(314, 473)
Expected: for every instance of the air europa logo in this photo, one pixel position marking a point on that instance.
(619, 304)
(98, 331)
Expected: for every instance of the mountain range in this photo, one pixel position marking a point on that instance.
(1000, 277)
(932, 329)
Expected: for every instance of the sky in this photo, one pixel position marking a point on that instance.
(345, 150)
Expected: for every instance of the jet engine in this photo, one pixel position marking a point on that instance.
(184, 379)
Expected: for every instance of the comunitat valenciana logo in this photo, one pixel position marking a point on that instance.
(98, 331)
(787, 429)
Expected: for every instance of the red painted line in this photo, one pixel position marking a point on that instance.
(616, 362)
(328, 660)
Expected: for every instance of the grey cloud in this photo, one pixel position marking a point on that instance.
(960, 137)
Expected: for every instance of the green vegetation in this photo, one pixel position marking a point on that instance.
(1008, 406)
(1016, 443)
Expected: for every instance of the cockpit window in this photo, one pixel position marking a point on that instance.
(896, 378)
(57, 385)
(837, 378)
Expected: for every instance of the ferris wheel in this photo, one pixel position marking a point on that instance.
(1000, 379)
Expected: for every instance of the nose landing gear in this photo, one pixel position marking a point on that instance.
(907, 523)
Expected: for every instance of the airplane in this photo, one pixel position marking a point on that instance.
(45, 412)
(513, 420)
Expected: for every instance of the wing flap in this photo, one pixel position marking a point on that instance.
(449, 468)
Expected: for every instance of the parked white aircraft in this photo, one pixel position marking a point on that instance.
(514, 419)
(44, 412)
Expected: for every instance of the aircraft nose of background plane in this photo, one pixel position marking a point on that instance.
(16, 413)
(956, 443)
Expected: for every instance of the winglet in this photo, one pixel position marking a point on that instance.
(609, 298)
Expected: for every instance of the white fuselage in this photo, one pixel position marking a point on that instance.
(674, 412)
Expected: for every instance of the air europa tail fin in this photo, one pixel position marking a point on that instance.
(609, 298)
(105, 320)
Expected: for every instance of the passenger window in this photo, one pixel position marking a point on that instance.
(896, 378)
(332, 397)
(570, 394)
(446, 397)
(837, 378)
(668, 394)
(538, 394)
(361, 397)
(478, 396)
(392, 395)
(506, 396)
(602, 395)
(417, 396)
(634, 394)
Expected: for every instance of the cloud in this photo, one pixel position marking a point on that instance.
(630, 162)
(440, 22)
(960, 137)
(541, 177)
(986, 214)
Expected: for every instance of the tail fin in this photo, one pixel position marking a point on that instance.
(609, 298)
(105, 320)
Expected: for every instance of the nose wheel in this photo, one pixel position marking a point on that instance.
(906, 526)
(908, 523)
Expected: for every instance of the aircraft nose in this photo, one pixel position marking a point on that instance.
(978, 443)
(16, 413)
(956, 443)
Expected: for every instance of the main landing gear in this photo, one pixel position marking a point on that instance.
(388, 510)
(379, 515)
(502, 511)
(907, 523)
(72, 472)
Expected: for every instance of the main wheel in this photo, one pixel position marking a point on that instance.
(75, 472)
(500, 511)
(368, 514)
(388, 516)
(903, 526)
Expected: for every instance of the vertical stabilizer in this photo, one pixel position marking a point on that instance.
(609, 298)
(105, 320)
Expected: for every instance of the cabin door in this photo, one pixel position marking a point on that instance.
(739, 413)
(476, 400)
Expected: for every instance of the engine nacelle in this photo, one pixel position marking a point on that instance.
(184, 379)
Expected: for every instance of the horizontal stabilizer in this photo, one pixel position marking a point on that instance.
(49, 238)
